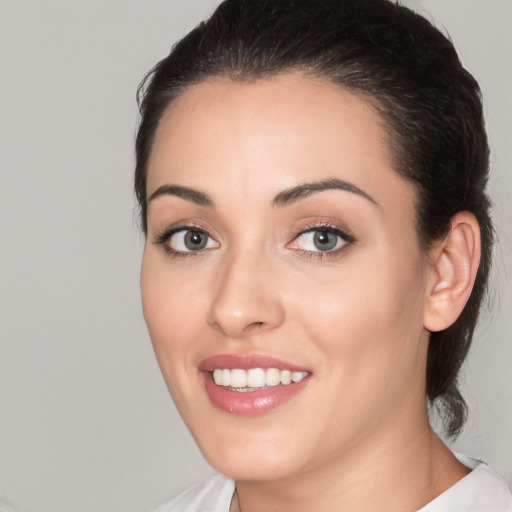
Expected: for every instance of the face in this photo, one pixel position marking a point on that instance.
(282, 281)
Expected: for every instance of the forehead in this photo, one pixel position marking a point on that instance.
(268, 135)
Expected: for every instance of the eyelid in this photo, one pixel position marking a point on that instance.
(325, 226)
(322, 226)
(160, 234)
(162, 238)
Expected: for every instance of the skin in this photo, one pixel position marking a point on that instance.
(356, 316)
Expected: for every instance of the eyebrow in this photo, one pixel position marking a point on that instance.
(190, 194)
(285, 197)
(304, 190)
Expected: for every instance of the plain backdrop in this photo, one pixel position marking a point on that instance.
(85, 420)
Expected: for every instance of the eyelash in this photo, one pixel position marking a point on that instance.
(329, 228)
(163, 238)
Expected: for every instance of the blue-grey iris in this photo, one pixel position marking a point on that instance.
(195, 240)
(325, 241)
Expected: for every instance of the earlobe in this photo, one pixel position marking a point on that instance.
(454, 266)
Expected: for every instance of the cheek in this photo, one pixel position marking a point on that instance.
(170, 304)
(368, 319)
(370, 339)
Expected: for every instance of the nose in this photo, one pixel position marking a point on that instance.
(246, 300)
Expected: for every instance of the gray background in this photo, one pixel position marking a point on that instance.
(85, 420)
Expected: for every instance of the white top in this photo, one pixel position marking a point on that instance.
(482, 490)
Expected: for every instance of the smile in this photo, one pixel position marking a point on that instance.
(255, 378)
(251, 385)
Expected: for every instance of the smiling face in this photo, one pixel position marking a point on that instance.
(281, 244)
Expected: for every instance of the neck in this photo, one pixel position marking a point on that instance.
(414, 463)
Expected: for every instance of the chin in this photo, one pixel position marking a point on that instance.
(246, 454)
(257, 469)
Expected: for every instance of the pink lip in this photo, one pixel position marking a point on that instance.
(245, 362)
(250, 403)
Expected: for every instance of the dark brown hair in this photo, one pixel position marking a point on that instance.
(407, 70)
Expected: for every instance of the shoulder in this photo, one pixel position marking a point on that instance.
(480, 490)
(211, 495)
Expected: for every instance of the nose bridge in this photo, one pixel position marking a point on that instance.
(245, 299)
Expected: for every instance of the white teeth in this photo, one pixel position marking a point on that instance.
(272, 377)
(238, 379)
(256, 377)
(286, 377)
(217, 376)
(298, 376)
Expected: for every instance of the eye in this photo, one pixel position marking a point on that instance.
(183, 241)
(321, 240)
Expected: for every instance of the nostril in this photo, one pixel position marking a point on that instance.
(254, 326)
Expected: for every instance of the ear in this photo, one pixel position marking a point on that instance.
(454, 264)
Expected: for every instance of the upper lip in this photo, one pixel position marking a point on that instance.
(246, 362)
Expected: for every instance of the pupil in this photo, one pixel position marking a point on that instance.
(325, 241)
(195, 240)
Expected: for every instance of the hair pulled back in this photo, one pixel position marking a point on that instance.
(407, 70)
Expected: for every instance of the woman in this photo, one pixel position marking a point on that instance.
(311, 177)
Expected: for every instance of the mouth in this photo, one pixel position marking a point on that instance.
(241, 380)
(251, 385)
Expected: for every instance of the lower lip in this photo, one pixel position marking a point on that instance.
(251, 403)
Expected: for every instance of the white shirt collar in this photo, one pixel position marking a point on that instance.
(482, 490)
